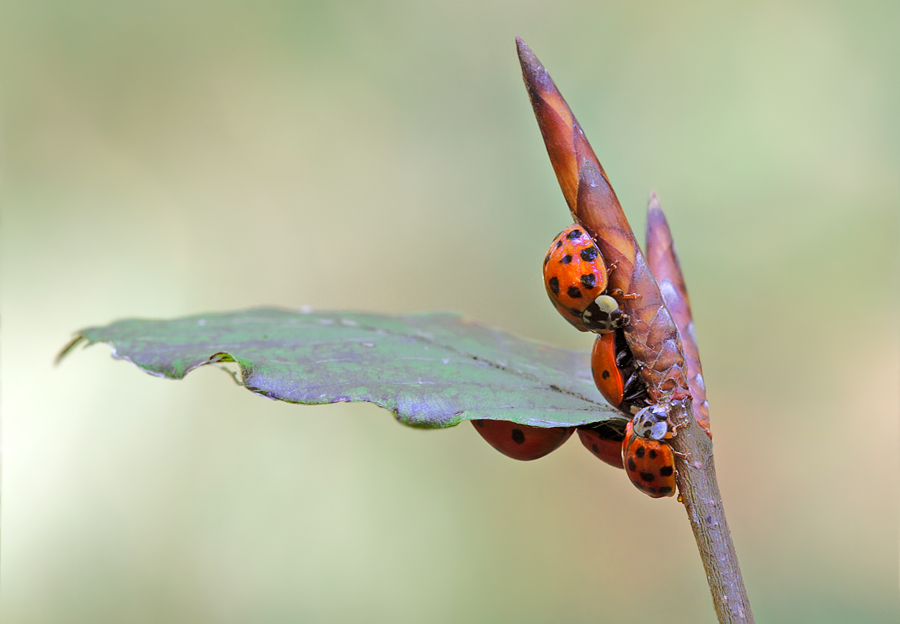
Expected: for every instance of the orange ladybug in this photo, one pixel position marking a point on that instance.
(650, 464)
(576, 277)
(616, 374)
(522, 441)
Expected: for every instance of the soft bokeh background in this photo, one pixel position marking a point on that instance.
(186, 157)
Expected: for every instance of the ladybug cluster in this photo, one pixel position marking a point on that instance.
(576, 279)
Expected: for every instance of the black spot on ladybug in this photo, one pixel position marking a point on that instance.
(604, 374)
(666, 471)
(589, 253)
(640, 486)
(480, 423)
(640, 452)
(652, 490)
(595, 449)
(652, 453)
(558, 244)
(589, 280)
(573, 234)
(632, 467)
(566, 259)
(547, 259)
(665, 490)
(554, 285)
(518, 436)
(574, 292)
(647, 476)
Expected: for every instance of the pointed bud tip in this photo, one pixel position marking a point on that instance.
(526, 56)
(653, 204)
(536, 77)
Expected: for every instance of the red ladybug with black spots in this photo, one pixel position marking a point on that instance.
(604, 442)
(616, 374)
(522, 442)
(576, 276)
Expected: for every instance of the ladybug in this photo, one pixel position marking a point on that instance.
(522, 441)
(608, 448)
(576, 277)
(616, 374)
(650, 464)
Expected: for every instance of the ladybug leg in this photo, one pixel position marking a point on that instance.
(675, 428)
(618, 294)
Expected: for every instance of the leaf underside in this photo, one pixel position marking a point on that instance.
(431, 370)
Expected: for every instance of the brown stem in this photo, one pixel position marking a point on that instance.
(698, 491)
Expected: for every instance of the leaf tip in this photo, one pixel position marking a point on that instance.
(68, 348)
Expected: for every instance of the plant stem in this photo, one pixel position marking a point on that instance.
(699, 493)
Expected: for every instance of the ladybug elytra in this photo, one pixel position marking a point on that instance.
(576, 276)
(606, 445)
(616, 375)
(522, 442)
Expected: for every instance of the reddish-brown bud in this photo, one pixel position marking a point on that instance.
(652, 334)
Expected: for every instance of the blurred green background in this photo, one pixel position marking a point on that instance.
(173, 158)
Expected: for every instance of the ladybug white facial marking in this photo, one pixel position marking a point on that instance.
(651, 423)
(604, 315)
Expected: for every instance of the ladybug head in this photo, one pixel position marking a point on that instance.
(651, 422)
(604, 315)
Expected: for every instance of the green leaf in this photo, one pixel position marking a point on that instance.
(430, 370)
